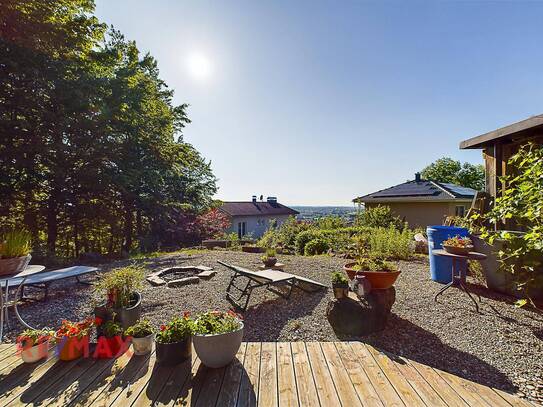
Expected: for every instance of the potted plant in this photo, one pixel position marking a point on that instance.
(269, 259)
(380, 273)
(174, 341)
(14, 252)
(34, 344)
(458, 245)
(72, 339)
(217, 337)
(143, 336)
(123, 298)
(340, 285)
(110, 339)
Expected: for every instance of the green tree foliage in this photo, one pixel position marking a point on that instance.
(448, 170)
(380, 216)
(91, 149)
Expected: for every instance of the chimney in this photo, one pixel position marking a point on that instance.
(417, 177)
(254, 198)
(272, 199)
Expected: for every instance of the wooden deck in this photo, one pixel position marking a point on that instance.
(264, 374)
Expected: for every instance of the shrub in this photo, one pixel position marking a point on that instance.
(374, 264)
(305, 237)
(330, 222)
(390, 243)
(285, 235)
(316, 246)
(216, 322)
(380, 217)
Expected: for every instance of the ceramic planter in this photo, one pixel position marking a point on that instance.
(125, 317)
(143, 346)
(269, 261)
(379, 280)
(72, 348)
(170, 354)
(35, 353)
(14, 265)
(219, 350)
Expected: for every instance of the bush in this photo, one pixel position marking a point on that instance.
(380, 217)
(316, 246)
(390, 243)
(304, 238)
(285, 235)
(330, 222)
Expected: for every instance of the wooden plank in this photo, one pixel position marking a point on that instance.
(400, 383)
(267, 393)
(248, 393)
(10, 363)
(104, 391)
(7, 349)
(513, 400)
(152, 389)
(465, 389)
(192, 387)
(358, 376)
(228, 396)
(288, 396)
(176, 382)
(307, 392)
(345, 389)
(130, 393)
(378, 379)
(212, 386)
(447, 393)
(326, 391)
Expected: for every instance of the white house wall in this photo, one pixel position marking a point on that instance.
(253, 226)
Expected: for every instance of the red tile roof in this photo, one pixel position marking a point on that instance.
(256, 209)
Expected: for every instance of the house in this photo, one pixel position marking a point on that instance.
(422, 202)
(499, 145)
(254, 217)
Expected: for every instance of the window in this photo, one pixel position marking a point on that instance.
(242, 229)
(459, 210)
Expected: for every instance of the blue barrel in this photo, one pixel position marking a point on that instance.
(440, 266)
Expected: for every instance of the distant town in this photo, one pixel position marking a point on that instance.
(315, 212)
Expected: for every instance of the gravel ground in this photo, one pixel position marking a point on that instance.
(501, 347)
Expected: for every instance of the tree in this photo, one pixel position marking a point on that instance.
(451, 171)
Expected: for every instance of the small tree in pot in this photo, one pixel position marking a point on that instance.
(340, 285)
(217, 337)
(174, 341)
(14, 252)
(269, 259)
(120, 287)
(34, 344)
(143, 336)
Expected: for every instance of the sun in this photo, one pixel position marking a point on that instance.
(199, 66)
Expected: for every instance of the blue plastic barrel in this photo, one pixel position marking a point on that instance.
(440, 266)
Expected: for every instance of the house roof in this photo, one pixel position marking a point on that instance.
(256, 209)
(521, 129)
(420, 191)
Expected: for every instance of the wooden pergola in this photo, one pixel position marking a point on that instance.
(499, 145)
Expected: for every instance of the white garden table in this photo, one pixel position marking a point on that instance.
(13, 280)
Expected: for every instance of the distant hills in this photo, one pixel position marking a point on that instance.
(314, 212)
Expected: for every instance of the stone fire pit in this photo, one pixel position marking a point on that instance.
(179, 276)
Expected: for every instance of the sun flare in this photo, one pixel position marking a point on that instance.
(199, 66)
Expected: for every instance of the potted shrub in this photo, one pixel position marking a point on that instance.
(340, 285)
(14, 252)
(123, 298)
(217, 337)
(34, 344)
(110, 339)
(269, 259)
(174, 341)
(143, 336)
(380, 273)
(458, 245)
(72, 339)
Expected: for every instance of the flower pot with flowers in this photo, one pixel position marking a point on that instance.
(174, 341)
(458, 245)
(15, 247)
(120, 287)
(110, 340)
(143, 336)
(72, 339)
(217, 337)
(340, 285)
(269, 259)
(34, 344)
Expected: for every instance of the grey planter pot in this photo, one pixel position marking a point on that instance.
(143, 346)
(217, 351)
(129, 316)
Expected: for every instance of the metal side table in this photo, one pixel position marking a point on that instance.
(10, 281)
(458, 280)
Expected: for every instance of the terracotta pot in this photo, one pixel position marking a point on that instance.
(379, 280)
(14, 265)
(348, 268)
(72, 348)
(462, 251)
(170, 354)
(217, 351)
(270, 261)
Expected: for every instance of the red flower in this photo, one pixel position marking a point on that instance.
(98, 321)
(186, 314)
(163, 327)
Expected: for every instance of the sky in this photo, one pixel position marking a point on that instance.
(318, 102)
